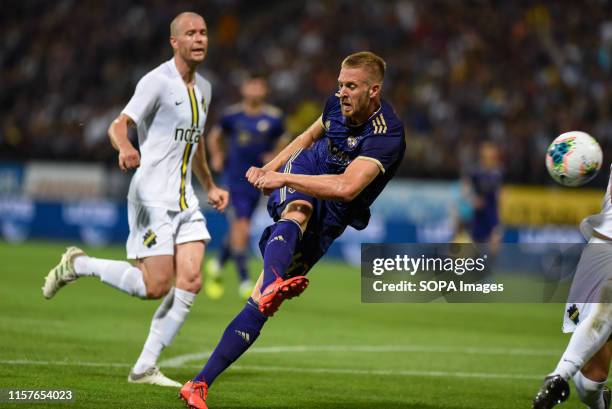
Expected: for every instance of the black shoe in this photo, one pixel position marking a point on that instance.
(554, 390)
(607, 395)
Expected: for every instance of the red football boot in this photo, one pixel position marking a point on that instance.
(194, 394)
(280, 290)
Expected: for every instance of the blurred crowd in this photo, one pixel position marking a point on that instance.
(514, 72)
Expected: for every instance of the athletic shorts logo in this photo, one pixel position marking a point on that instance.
(573, 314)
(351, 141)
(178, 102)
(149, 238)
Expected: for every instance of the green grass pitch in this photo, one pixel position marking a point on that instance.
(323, 350)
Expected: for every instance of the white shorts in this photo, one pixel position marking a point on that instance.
(592, 271)
(154, 231)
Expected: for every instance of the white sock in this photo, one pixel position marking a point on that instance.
(588, 338)
(119, 274)
(589, 392)
(166, 323)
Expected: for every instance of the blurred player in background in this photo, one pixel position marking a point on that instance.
(462, 212)
(253, 132)
(332, 173)
(485, 182)
(168, 232)
(588, 314)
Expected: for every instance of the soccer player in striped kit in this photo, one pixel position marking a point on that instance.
(168, 232)
(588, 315)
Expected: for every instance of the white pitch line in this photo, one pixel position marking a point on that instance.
(64, 363)
(332, 371)
(382, 372)
(181, 360)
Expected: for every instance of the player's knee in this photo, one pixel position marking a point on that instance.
(190, 282)
(240, 236)
(298, 211)
(157, 274)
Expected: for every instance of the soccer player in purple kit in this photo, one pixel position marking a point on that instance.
(252, 132)
(485, 182)
(330, 176)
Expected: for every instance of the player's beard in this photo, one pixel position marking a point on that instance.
(197, 57)
(190, 57)
(359, 108)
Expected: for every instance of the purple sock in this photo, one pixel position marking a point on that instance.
(239, 335)
(225, 253)
(279, 250)
(240, 258)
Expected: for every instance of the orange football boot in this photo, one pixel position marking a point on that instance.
(280, 290)
(194, 394)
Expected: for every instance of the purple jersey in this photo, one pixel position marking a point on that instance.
(486, 185)
(249, 137)
(380, 139)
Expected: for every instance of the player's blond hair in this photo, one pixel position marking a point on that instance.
(367, 59)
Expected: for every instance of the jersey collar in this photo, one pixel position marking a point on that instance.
(173, 69)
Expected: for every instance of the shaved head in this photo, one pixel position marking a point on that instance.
(175, 25)
(189, 38)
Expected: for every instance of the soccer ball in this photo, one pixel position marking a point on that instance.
(573, 158)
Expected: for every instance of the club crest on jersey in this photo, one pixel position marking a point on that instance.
(327, 124)
(351, 141)
(263, 125)
(573, 314)
(149, 238)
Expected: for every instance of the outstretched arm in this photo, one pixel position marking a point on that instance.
(217, 197)
(304, 140)
(344, 187)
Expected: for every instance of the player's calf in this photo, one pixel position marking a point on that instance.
(280, 242)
